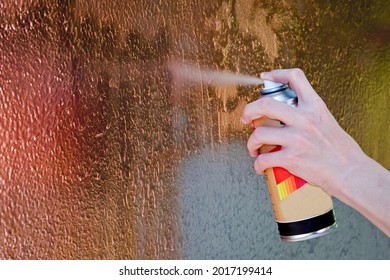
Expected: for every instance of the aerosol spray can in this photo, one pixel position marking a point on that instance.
(302, 211)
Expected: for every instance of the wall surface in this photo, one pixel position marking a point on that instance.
(105, 155)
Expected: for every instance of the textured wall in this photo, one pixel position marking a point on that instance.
(104, 155)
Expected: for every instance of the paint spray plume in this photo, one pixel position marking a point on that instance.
(188, 73)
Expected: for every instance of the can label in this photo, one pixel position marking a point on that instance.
(286, 183)
(293, 199)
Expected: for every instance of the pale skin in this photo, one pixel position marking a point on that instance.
(317, 149)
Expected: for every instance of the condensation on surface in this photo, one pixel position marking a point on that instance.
(104, 155)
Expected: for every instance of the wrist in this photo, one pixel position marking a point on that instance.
(359, 175)
(351, 174)
(366, 188)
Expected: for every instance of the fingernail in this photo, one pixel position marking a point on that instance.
(254, 154)
(253, 126)
(264, 75)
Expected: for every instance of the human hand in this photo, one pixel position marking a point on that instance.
(314, 146)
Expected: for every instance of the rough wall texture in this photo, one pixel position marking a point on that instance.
(104, 155)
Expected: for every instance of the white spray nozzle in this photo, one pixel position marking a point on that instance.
(270, 84)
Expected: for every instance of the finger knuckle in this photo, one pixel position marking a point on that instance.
(257, 166)
(246, 111)
(255, 140)
(260, 163)
(292, 161)
(297, 73)
(258, 133)
(308, 120)
(250, 145)
(265, 103)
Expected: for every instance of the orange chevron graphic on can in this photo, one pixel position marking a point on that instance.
(286, 182)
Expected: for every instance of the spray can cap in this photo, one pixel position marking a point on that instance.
(270, 84)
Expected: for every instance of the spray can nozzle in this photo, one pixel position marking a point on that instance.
(271, 85)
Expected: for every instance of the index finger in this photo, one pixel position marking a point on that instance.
(297, 81)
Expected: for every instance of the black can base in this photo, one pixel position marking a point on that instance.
(309, 228)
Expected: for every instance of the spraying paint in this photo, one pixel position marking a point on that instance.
(302, 211)
(185, 72)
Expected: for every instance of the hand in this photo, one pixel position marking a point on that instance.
(317, 149)
(314, 146)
